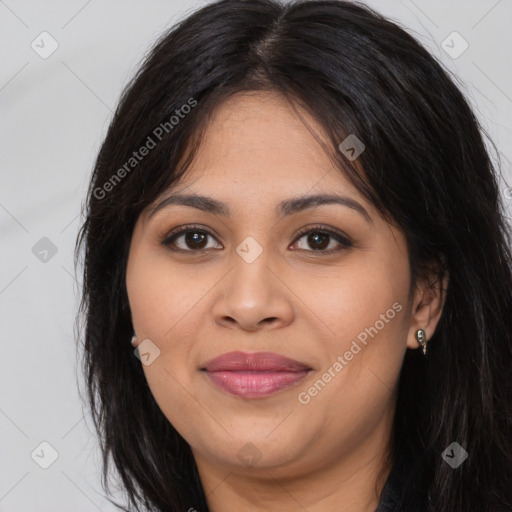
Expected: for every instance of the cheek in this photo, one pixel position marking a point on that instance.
(355, 388)
(160, 296)
(161, 304)
(366, 298)
(365, 308)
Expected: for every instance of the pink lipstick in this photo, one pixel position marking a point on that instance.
(254, 375)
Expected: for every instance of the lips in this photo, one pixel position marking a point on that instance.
(254, 375)
(257, 362)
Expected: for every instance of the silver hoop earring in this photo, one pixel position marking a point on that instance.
(422, 340)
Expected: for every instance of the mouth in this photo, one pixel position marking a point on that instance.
(254, 375)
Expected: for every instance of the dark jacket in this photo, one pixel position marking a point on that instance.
(390, 497)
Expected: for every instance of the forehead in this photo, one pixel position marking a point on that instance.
(257, 140)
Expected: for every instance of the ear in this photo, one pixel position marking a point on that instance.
(427, 304)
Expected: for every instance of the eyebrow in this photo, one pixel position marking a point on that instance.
(284, 208)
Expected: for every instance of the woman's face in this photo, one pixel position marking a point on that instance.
(247, 279)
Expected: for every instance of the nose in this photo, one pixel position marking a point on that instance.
(254, 296)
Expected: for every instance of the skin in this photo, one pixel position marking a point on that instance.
(293, 300)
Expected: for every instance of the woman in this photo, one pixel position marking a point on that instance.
(294, 218)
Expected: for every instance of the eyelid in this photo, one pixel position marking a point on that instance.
(181, 230)
(342, 237)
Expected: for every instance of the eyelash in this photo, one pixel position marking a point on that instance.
(343, 240)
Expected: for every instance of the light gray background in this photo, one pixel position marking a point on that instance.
(54, 114)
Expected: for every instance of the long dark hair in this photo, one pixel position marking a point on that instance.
(426, 169)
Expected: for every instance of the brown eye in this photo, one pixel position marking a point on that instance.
(323, 240)
(188, 239)
(318, 240)
(195, 240)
